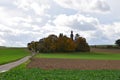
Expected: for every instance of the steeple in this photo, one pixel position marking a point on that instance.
(71, 35)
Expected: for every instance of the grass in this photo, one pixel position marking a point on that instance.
(12, 54)
(22, 73)
(39, 74)
(88, 55)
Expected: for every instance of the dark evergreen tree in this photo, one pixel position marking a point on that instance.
(71, 35)
(118, 42)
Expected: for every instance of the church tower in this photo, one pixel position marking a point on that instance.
(71, 35)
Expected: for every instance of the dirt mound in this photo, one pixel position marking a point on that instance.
(73, 64)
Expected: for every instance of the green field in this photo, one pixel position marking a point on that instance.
(22, 73)
(39, 74)
(88, 55)
(12, 54)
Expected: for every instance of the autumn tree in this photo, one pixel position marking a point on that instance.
(50, 43)
(62, 43)
(41, 45)
(70, 45)
(82, 45)
(36, 46)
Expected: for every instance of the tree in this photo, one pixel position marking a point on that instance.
(118, 42)
(61, 43)
(70, 45)
(52, 43)
(36, 46)
(47, 44)
(29, 46)
(41, 45)
(77, 36)
(65, 44)
(71, 35)
(33, 46)
(82, 45)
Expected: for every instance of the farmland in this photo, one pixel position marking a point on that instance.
(80, 55)
(24, 72)
(106, 50)
(12, 54)
(39, 74)
(81, 64)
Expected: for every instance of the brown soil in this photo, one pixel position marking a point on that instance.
(44, 63)
(105, 50)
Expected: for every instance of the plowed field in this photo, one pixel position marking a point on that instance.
(105, 50)
(45, 63)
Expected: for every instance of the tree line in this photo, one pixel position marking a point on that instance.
(60, 43)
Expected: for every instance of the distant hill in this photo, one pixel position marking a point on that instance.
(12, 47)
(2, 47)
(105, 46)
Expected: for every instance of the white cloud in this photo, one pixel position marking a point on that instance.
(2, 42)
(77, 21)
(55, 29)
(39, 9)
(85, 5)
(90, 28)
(38, 6)
(85, 26)
(112, 31)
(16, 29)
(105, 34)
(22, 21)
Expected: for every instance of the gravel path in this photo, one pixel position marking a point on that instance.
(45, 63)
(6, 67)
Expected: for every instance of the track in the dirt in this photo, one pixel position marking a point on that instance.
(74, 64)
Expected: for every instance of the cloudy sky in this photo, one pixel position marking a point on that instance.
(23, 21)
